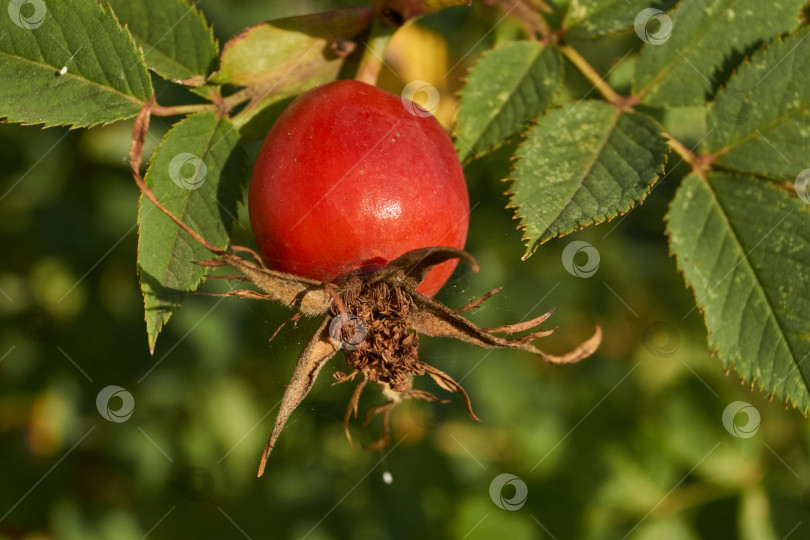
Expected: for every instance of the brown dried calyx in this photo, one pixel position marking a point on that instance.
(373, 329)
(375, 317)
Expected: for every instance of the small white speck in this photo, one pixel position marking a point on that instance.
(393, 140)
(387, 478)
(63, 70)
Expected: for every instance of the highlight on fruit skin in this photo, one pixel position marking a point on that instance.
(385, 302)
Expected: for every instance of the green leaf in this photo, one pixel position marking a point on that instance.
(583, 164)
(68, 63)
(291, 51)
(506, 89)
(178, 43)
(760, 123)
(594, 18)
(744, 247)
(688, 66)
(283, 58)
(198, 172)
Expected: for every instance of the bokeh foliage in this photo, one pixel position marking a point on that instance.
(629, 442)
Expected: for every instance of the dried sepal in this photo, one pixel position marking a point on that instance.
(447, 382)
(318, 351)
(304, 295)
(423, 395)
(229, 277)
(241, 293)
(434, 319)
(211, 263)
(256, 256)
(581, 351)
(521, 326)
(307, 296)
(354, 402)
(477, 303)
(409, 270)
(293, 319)
(394, 399)
(385, 410)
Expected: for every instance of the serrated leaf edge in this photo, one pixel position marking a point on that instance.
(209, 27)
(778, 40)
(714, 351)
(78, 125)
(205, 270)
(471, 153)
(532, 248)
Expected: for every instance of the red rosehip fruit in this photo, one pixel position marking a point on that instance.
(351, 177)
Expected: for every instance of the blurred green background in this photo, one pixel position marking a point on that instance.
(628, 444)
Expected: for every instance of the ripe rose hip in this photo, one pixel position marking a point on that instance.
(349, 177)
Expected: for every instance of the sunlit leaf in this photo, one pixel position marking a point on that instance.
(291, 51)
(593, 18)
(68, 63)
(760, 123)
(744, 247)
(176, 39)
(583, 164)
(283, 58)
(684, 63)
(507, 88)
(198, 172)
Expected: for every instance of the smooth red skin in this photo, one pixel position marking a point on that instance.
(347, 178)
